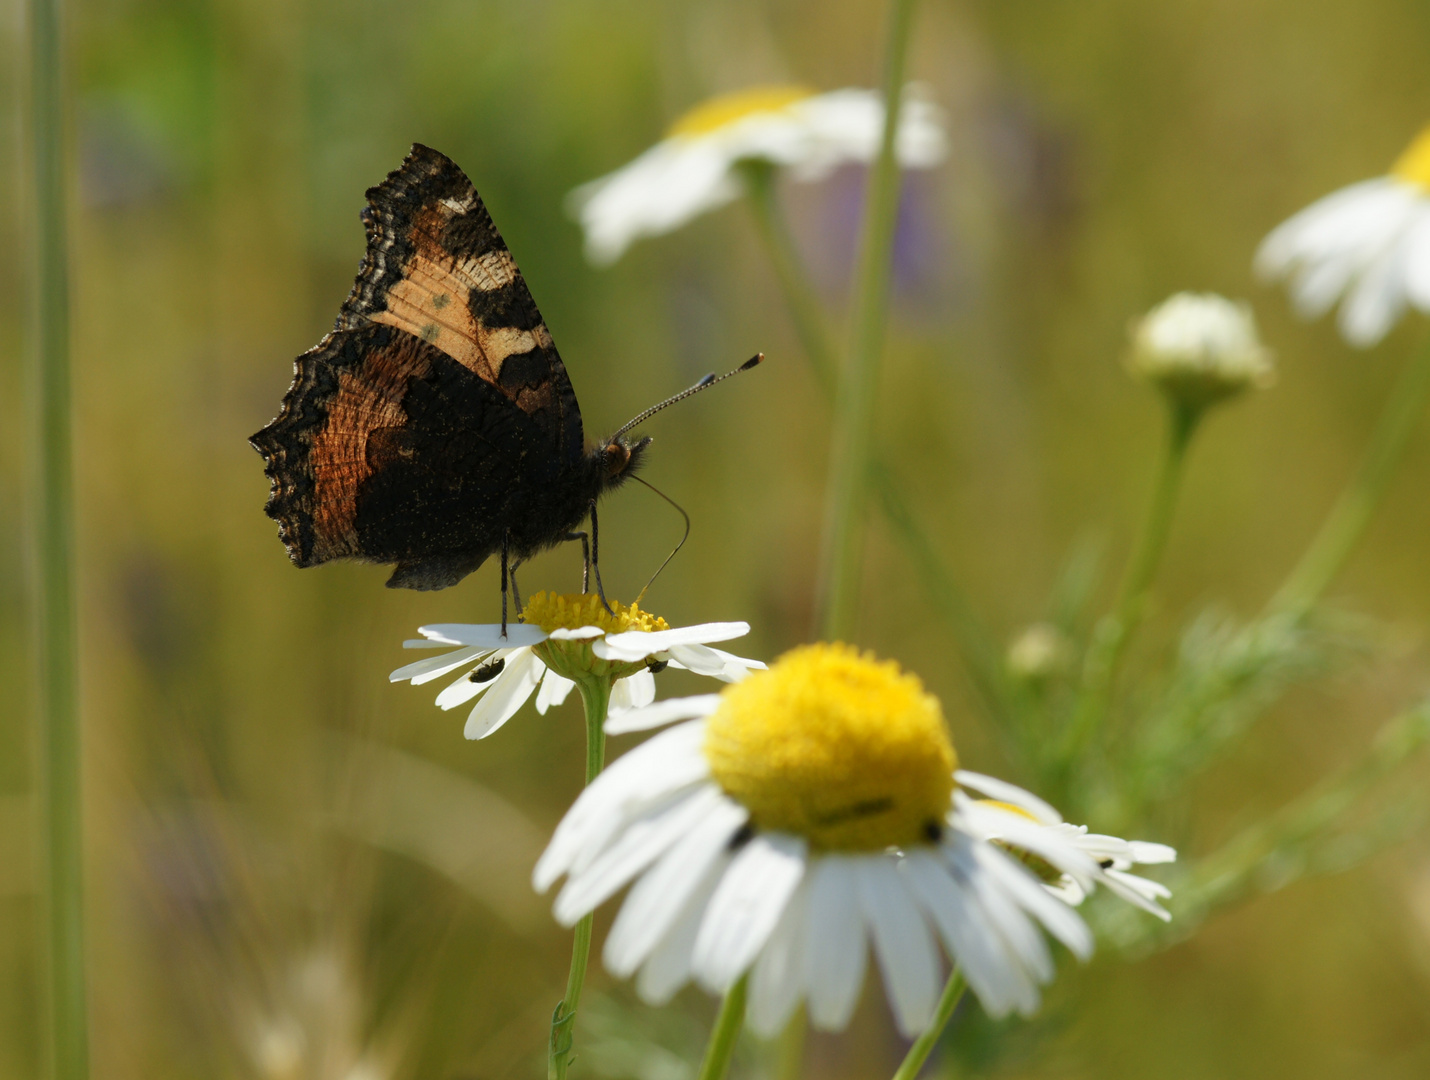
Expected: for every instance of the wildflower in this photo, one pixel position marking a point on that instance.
(1114, 856)
(791, 818)
(1199, 349)
(692, 170)
(1368, 243)
(560, 640)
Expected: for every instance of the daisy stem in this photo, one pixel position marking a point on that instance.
(811, 325)
(789, 1061)
(1342, 530)
(924, 1044)
(53, 547)
(726, 1032)
(842, 549)
(596, 698)
(1115, 631)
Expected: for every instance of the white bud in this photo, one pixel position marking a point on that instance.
(1199, 348)
(1041, 651)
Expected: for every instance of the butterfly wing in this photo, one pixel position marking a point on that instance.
(415, 431)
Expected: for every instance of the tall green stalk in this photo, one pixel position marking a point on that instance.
(924, 1044)
(1114, 632)
(725, 1033)
(53, 541)
(1347, 522)
(811, 324)
(596, 700)
(843, 546)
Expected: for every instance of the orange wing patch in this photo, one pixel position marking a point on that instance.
(369, 398)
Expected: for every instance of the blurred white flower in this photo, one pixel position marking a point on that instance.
(692, 170)
(793, 820)
(1199, 348)
(1368, 243)
(577, 636)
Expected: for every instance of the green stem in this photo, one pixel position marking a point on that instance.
(53, 541)
(984, 662)
(726, 1032)
(924, 1044)
(804, 306)
(596, 698)
(789, 1064)
(1115, 631)
(843, 547)
(1347, 522)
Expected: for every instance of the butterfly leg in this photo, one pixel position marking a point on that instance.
(505, 541)
(585, 559)
(515, 592)
(596, 559)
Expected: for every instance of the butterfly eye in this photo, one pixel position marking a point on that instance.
(618, 456)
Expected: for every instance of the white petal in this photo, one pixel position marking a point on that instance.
(508, 693)
(943, 888)
(903, 945)
(554, 690)
(669, 966)
(1027, 891)
(1146, 852)
(434, 667)
(1139, 891)
(662, 713)
(633, 692)
(666, 763)
(464, 688)
(703, 660)
(487, 636)
(1417, 261)
(994, 788)
(641, 842)
(663, 892)
(834, 942)
(1050, 843)
(638, 644)
(777, 981)
(745, 908)
(1376, 301)
(581, 633)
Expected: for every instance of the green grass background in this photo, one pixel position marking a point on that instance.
(1104, 153)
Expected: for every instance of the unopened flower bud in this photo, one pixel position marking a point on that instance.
(1199, 348)
(1040, 652)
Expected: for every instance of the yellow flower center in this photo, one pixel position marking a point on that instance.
(571, 611)
(1414, 163)
(844, 750)
(726, 109)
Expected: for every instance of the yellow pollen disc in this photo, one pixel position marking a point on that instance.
(842, 749)
(726, 109)
(1414, 164)
(571, 611)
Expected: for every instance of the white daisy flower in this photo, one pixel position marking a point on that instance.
(1114, 856)
(1368, 243)
(791, 820)
(692, 170)
(1199, 348)
(564, 638)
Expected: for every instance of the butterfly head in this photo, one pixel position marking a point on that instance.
(618, 458)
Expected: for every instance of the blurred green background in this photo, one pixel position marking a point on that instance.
(298, 870)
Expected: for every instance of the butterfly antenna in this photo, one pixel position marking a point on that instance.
(703, 384)
(684, 537)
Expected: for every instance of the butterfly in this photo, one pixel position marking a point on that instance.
(435, 425)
